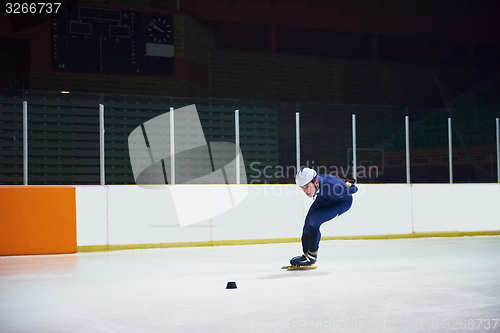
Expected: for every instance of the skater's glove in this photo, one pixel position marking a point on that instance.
(349, 182)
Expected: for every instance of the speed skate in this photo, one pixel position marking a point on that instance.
(296, 268)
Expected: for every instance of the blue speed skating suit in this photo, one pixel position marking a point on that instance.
(333, 198)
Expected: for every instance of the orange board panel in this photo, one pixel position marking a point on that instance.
(37, 220)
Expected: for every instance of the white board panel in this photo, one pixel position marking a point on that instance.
(456, 207)
(377, 209)
(268, 211)
(139, 215)
(91, 215)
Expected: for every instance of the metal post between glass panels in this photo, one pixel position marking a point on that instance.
(407, 141)
(237, 142)
(498, 150)
(25, 143)
(172, 147)
(297, 138)
(450, 151)
(101, 145)
(354, 161)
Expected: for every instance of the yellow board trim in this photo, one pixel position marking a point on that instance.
(104, 248)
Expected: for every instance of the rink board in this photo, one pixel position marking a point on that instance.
(130, 216)
(65, 219)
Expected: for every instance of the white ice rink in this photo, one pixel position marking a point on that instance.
(407, 285)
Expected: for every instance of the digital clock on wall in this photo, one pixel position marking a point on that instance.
(113, 41)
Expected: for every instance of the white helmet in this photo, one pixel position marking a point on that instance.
(305, 176)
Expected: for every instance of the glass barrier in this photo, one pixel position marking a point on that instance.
(64, 144)
(429, 145)
(326, 139)
(63, 138)
(380, 148)
(11, 137)
(474, 145)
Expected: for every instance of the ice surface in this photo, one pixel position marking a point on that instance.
(407, 285)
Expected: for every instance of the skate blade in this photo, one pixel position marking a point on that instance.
(297, 268)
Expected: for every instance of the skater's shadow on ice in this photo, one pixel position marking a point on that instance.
(286, 274)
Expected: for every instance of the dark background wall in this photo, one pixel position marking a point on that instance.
(381, 60)
(356, 52)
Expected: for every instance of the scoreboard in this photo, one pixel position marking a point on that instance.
(113, 41)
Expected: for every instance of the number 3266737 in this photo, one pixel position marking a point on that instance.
(32, 7)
